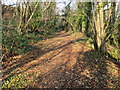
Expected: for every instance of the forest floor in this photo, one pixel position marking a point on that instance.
(63, 61)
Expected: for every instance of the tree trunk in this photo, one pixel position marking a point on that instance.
(99, 27)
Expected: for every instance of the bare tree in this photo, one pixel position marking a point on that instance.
(101, 24)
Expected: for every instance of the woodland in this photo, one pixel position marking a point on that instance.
(75, 47)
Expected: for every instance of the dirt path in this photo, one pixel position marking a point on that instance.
(62, 61)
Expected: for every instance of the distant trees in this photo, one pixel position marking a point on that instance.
(99, 21)
(28, 22)
(85, 11)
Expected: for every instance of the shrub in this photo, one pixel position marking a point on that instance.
(15, 43)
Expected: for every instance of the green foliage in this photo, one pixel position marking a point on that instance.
(18, 41)
(14, 42)
(44, 23)
(115, 53)
(90, 43)
(36, 18)
(15, 82)
(114, 41)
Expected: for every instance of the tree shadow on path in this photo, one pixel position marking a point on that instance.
(14, 64)
(89, 71)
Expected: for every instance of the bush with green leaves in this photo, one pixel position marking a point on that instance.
(115, 47)
(15, 43)
(115, 53)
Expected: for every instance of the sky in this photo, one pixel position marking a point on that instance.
(9, 2)
(60, 4)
